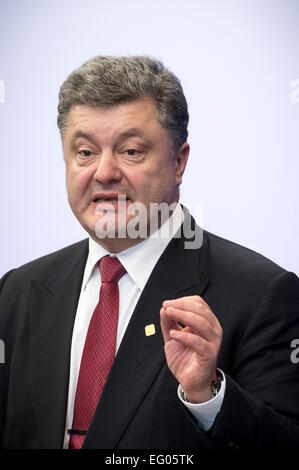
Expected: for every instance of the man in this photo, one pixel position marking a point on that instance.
(199, 354)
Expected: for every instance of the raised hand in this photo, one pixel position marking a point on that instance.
(191, 351)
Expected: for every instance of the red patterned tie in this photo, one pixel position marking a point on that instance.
(99, 350)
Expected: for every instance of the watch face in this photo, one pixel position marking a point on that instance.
(216, 384)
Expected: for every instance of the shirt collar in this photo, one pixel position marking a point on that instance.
(139, 260)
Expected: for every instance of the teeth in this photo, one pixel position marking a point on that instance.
(106, 200)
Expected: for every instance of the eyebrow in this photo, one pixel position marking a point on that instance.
(83, 135)
(133, 132)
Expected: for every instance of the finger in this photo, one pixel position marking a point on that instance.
(203, 348)
(194, 304)
(194, 298)
(196, 322)
(167, 324)
(184, 302)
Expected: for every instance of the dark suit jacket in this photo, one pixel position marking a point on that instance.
(256, 302)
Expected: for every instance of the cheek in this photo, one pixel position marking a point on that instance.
(77, 181)
(152, 185)
(142, 183)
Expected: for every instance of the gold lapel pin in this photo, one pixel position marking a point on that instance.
(150, 330)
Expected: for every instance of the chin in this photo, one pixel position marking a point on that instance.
(109, 227)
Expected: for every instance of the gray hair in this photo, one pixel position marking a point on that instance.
(106, 81)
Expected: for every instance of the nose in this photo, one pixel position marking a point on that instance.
(108, 170)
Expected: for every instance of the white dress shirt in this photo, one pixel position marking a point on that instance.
(139, 262)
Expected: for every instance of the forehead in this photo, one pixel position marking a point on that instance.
(140, 114)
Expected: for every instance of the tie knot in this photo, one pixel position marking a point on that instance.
(111, 269)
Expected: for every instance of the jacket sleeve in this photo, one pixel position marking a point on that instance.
(261, 402)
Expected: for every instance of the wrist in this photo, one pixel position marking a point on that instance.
(208, 393)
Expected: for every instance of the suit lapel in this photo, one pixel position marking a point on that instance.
(53, 308)
(140, 357)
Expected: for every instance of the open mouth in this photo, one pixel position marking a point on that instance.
(111, 200)
(110, 204)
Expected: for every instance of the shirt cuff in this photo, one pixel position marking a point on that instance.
(205, 413)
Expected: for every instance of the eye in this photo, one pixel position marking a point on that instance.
(132, 152)
(85, 153)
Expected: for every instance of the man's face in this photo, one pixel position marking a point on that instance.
(115, 151)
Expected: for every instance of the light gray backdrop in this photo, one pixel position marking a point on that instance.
(238, 61)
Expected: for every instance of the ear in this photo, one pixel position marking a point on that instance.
(181, 159)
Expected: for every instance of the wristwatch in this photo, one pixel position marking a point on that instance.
(215, 385)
